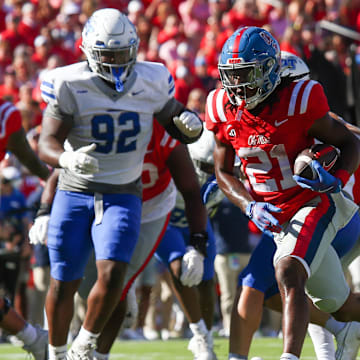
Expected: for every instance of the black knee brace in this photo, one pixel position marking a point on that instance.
(5, 308)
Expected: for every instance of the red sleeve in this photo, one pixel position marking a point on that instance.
(11, 123)
(317, 105)
(212, 118)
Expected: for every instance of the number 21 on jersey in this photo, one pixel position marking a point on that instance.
(260, 162)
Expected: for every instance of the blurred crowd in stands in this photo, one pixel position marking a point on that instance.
(187, 36)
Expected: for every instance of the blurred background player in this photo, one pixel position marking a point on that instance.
(197, 297)
(13, 139)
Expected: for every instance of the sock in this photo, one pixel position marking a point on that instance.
(85, 337)
(57, 352)
(233, 356)
(288, 356)
(98, 356)
(334, 326)
(198, 328)
(323, 342)
(27, 334)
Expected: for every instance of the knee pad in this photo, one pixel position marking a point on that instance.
(5, 308)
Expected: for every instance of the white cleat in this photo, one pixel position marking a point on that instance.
(81, 352)
(348, 341)
(39, 348)
(202, 347)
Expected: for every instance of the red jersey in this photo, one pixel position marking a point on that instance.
(268, 144)
(10, 122)
(156, 175)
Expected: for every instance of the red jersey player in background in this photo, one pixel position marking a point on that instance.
(266, 122)
(13, 139)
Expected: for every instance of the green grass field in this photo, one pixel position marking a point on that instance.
(267, 348)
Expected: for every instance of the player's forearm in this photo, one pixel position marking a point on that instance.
(34, 165)
(168, 117)
(20, 147)
(50, 150)
(233, 189)
(48, 194)
(350, 156)
(195, 213)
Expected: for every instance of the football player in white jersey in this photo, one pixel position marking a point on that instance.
(166, 163)
(96, 127)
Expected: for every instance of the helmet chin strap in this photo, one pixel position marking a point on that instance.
(117, 72)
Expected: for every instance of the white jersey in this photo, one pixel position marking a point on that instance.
(119, 123)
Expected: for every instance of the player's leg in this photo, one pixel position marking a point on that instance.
(207, 286)
(254, 280)
(258, 277)
(245, 320)
(115, 232)
(149, 239)
(323, 342)
(170, 251)
(303, 256)
(34, 338)
(228, 268)
(69, 245)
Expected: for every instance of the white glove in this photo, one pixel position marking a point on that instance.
(188, 123)
(192, 267)
(79, 161)
(38, 232)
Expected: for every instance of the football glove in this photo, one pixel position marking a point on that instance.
(188, 123)
(192, 267)
(324, 183)
(260, 214)
(79, 161)
(38, 231)
(209, 189)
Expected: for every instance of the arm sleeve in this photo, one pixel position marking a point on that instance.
(317, 104)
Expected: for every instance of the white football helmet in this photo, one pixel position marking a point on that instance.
(110, 43)
(201, 152)
(294, 66)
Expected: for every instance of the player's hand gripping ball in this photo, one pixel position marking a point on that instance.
(325, 154)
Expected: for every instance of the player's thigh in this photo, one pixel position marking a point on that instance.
(327, 287)
(150, 236)
(311, 230)
(116, 236)
(346, 239)
(172, 245)
(69, 237)
(259, 273)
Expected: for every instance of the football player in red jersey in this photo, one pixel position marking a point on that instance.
(13, 138)
(266, 121)
(257, 284)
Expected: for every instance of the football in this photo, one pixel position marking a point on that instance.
(325, 154)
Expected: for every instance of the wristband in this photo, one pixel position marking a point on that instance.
(199, 241)
(44, 209)
(343, 175)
